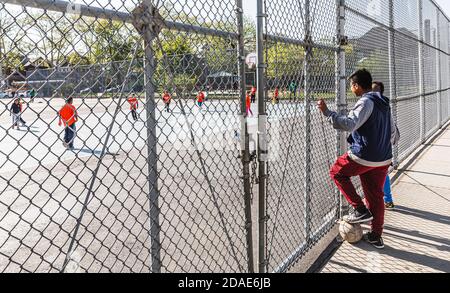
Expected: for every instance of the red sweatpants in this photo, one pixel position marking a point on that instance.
(372, 180)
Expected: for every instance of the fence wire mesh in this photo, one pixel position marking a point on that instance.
(135, 191)
(419, 76)
(158, 171)
(300, 54)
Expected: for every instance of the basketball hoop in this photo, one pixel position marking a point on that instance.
(250, 60)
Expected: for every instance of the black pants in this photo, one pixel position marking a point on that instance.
(69, 135)
(253, 98)
(134, 114)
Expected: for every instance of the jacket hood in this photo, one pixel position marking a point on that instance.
(380, 101)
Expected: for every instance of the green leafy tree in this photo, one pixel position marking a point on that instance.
(10, 51)
(112, 41)
(185, 83)
(76, 59)
(54, 35)
(285, 60)
(14, 61)
(177, 60)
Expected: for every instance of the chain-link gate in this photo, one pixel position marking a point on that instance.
(300, 53)
(158, 165)
(153, 179)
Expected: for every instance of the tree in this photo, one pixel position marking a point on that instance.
(112, 41)
(249, 35)
(49, 36)
(176, 60)
(76, 59)
(185, 83)
(10, 53)
(285, 61)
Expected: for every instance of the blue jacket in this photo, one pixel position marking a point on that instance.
(372, 141)
(372, 128)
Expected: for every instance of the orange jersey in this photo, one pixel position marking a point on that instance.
(166, 98)
(200, 97)
(276, 93)
(247, 101)
(134, 103)
(68, 114)
(253, 91)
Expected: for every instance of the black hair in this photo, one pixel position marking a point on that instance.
(363, 78)
(380, 85)
(69, 100)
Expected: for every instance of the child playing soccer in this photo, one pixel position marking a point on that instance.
(248, 104)
(134, 104)
(167, 99)
(200, 99)
(276, 98)
(69, 116)
(15, 112)
(253, 94)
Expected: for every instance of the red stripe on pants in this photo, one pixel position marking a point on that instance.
(372, 180)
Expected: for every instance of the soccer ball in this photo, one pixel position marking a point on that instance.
(352, 233)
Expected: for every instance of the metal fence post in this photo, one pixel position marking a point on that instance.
(307, 103)
(438, 69)
(392, 74)
(245, 139)
(152, 159)
(341, 84)
(421, 73)
(146, 29)
(262, 135)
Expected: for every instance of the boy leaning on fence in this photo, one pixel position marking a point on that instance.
(69, 116)
(372, 134)
(378, 87)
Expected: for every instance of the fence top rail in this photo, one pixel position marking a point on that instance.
(291, 41)
(97, 12)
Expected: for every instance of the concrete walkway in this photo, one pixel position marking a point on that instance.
(417, 232)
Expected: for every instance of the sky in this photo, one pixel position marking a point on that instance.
(250, 8)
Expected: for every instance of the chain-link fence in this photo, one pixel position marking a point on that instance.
(405, 45)
(300, 54)
(163, 163)
(310, 46)
(150, 182)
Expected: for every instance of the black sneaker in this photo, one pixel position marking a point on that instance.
(357, 217)
(376, 241)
